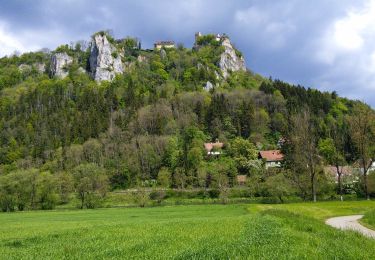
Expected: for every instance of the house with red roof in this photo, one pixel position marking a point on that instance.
(213, 148)
(272, 158)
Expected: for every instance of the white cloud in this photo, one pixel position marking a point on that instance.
(8, 42)
(33, 40)
(347, 50)
(350, 34)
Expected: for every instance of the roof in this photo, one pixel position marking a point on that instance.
(210, 146)
(241, 178)
(346, 170)
(271, 155)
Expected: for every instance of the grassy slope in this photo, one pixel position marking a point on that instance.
(294, 231)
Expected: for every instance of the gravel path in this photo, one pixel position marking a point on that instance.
(350, 223)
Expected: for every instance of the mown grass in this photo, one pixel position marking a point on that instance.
(369, 219)
(185, 232)
(321, 210)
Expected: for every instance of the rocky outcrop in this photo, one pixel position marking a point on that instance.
(229, 60)
(41, 67)
(105, 62)
(208, 86)
(59, 64)
(141, 58)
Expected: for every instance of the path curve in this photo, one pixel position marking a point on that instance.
(350, 223)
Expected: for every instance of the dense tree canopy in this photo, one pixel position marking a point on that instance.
(151, 122)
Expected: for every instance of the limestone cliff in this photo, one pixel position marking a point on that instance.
(104, 60)
(59, 64)
(229, 60)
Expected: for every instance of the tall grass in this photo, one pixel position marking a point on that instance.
(369, 219)
(180, 232)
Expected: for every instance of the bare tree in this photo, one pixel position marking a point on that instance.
(305, 152)
(361, 124)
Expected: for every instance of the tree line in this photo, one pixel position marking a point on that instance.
(75, 136)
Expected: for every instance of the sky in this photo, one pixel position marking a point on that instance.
(323, 44)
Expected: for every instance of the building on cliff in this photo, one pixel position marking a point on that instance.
(166, 44)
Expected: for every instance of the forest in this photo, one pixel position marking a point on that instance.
(147, 128)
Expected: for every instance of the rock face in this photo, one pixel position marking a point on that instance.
(60, 63)
(208, 86)
(229, 61)
(41, 67)
(105, 62)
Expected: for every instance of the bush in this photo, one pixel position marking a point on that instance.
(141, 197)
(158, 195)
(240, 193)
(27, 189)
(91, 184)
(93, 201)
(214, 194)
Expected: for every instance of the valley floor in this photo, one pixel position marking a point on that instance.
(256, 231)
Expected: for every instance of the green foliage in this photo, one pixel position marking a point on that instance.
(245, 155)
(164, 177)
(141, 197)
(27, 189)
(65, 49)
(107, 33)
(130, 46)
(279, 186)
(151, 123)
(90, 183)
(369, 219)
(9, 76)
(209, 39)
(328, 150)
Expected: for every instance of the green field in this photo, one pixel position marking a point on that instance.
(291, 231)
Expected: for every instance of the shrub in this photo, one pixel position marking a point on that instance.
(158, 195)
(141, 197)
(214, 194)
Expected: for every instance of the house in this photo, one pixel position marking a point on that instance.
(166, 44)
(272, 158)
(370, 164)
(346, 172)
(241, 179)
(371, 168)
(213, 148)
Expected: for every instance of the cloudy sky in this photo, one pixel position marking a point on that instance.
(324, 44)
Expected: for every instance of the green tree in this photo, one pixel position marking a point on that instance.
(303, 157)
(164, 177)
(245, 155)
(91, 184)
(279, 186)
(47, 191)
(333, 156)
(361, 125)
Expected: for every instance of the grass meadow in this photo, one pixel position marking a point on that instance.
(242, 231)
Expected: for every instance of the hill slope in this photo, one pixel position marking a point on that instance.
(144, 114)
